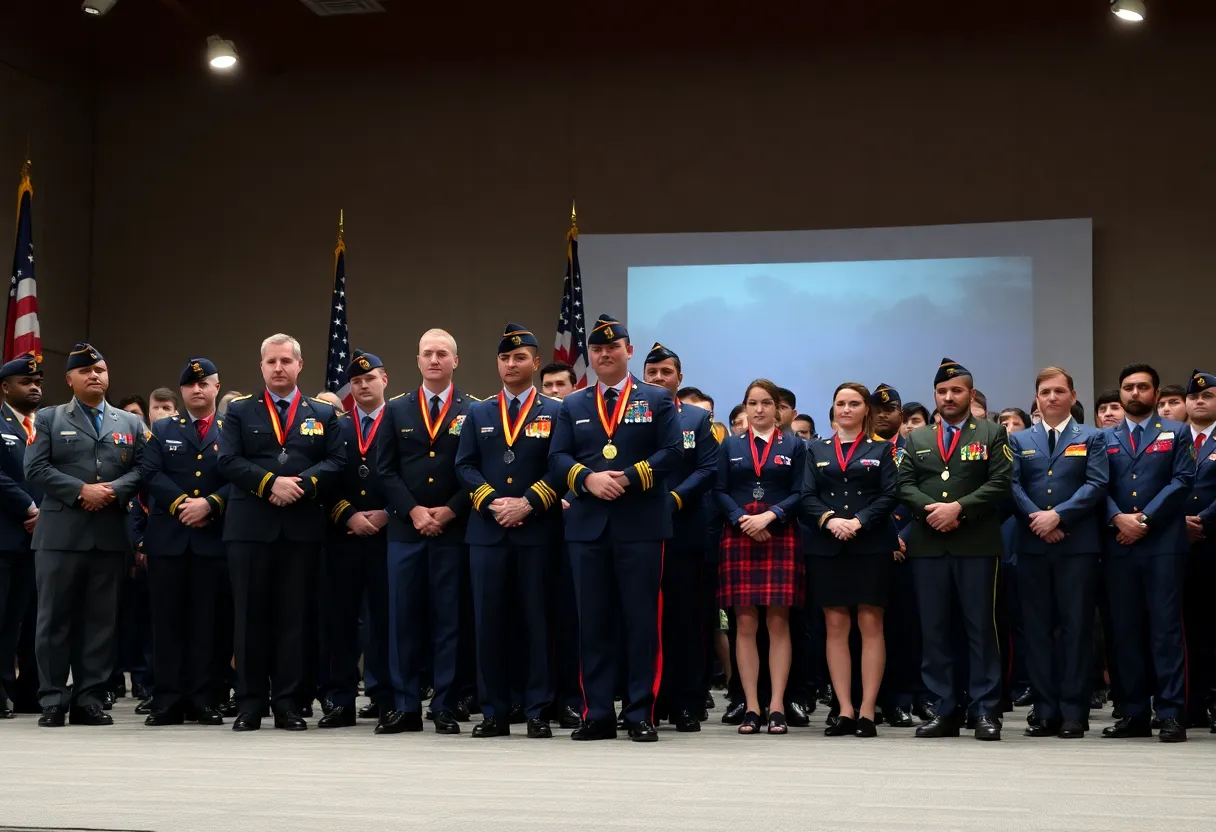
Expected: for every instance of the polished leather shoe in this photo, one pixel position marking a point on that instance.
(108, 699)
(925, 711)
(205, 716)
(825, 695)
(53, 717)
(1072, 730)
(144, 707)
(620, 723)
(538, 729)
(247, 722)
(1097, 699)
(842, 726)
(686, 721)
(987, 729)
(1116, 712)
(6, 712)
(643, 731)
(1128, 728)
(492, 727)
(459, 712)
(866, 728)
(940, 726)
(1024, 699)
(1172, 730)
(710, 704)
(229, 708)
(445, 723)
(369, 711)
(398, 722)
(972, 720)
(595, 730)
(290, 721)
(1043, 728)
(306, 711)
(165, 716)
(1156, 723)
(327, 705)
(797, 715)
(470, 704)
(897, 717)
(734, 713)
(518, 717)
(339, 716)
(570, 718)
(90, 715)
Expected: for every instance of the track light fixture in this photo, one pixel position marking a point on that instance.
(221, 54)
(1129, 10)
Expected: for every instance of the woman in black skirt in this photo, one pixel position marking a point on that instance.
(848, 494)
(759, 477)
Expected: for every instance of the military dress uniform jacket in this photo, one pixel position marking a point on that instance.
(66, 454)
(249, 460)
(178, 466)
(16, 495)
(693, 479)
(1203, 494)
(866, 491)
(416, 472)
(648, 443)
(1071, 482)
(981, 469)
(481, 467)
(352, 493)
(1153, 479)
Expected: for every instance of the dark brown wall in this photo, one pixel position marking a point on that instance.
(218, 200)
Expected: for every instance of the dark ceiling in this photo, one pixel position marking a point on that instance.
(145, 37)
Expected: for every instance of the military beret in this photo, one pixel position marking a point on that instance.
(362, 362)
(23, 365)
(607, 329)
(1199, 382)
(515, 336)
(83, 355)
(884, 395)
(196, 369)
(948, 370)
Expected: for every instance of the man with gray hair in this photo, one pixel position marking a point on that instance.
(279, 450)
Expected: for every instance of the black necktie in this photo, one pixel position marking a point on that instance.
(513, 411)
(434, 409)
(950, 429)
(759, 444)
(610, 399)
(281, 404)
(367, 423)
(1137, 434)
(1051, 441)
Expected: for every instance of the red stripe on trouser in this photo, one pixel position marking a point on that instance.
(581, 687)
(658, 659)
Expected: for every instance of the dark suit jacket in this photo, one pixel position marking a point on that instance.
(178, 466)
(692, 480)
(781, 476)
(1072, 482)
(1203, 494)
(248, 458)
(1154, 479)
(352, 493)
(16, 495)
(865, 492)
(981, 469)
(417, 472)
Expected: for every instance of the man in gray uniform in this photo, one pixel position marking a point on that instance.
(84, 455)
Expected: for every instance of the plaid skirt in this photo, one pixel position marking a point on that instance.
(753, 574)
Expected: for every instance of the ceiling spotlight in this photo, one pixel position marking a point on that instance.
(221, 54)
(1130, 10)
(97, 7)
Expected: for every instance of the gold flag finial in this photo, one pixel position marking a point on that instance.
(573, 214)
(26, 162)
(341, 223)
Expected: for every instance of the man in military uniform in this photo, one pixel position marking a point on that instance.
(514, 536)
(613, 446)
(183, 545)
(952, 479)
(692, 478)
(21, 382)
(85, 455)
(356, 562)
(426, 550)
(280, 450)
(1201, 562)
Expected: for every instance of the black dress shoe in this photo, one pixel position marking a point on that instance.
(144, 707)
(246, 721)
(108, 699)
(305, 711)
(1025, 699)
(1043, 728)
(643, 731)
(290, 721)
(866, 728)
(1156, 723)
(1072, 730)
(940, 726)
(398, 722)
(90, 715)
(6, 712)
(140, 692)
(165, 716)
(620, 723)
(205, 716)
(327, 705)
(925, 711)
(518, 717)
(1097, 699)
(445, 723)
(710, 704)
(972, 720)
(492, 727)
(369, 711)
(897, 717)
(825, 695)
(339, 716)
(797, 715)
(470, 704)
(538, 729)
(987, 728)
(1116, 712)
(595, 730)
(229, 708)
(570, 718)
(1128, 728)
(460, 712)
(844, 726)
(53, 717)
(1171, 731)
(686, 721)
(734, 713)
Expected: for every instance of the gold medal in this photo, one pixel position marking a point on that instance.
(946, 474)
(610, 424)
(610, 451)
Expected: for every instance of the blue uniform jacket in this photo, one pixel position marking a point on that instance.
(648, 447)
(1155, 480)
(481, 466)
(177, 466)
(1072, 482)
(693, 478)
(865, 492)
(352, 493)
(1203, 494)
(780, 476)
(16, 494)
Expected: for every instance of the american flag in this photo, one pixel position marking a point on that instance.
(339, 336)
(571, 344)
(21, 332)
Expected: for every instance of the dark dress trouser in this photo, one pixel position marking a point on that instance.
(16, 592)
(184, 591)
(683, 637)
(1199, 615)
(355, 569)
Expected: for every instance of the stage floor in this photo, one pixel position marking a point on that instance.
(129, 777)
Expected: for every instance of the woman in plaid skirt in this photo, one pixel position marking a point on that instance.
(758, 491)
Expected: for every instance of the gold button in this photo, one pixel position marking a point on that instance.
(944, 494)
(196, 492)
(99, 476)
(846, 506)
(1049, 508)
(200, 456)
(362, 493)
(1133, 476)
(198, 473)
(1133, 493)
(430, 479)
(1049, 491)
(432, 453)
(1049, 473)
(508, 480)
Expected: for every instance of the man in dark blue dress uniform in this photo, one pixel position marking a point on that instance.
(356, 548)
(514, 537)
(182, 541)
(613, 446)
(696, 471)
(1201, 562)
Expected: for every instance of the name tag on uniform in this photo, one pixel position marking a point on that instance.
(821, 464)
(1076, 450)
(67, 433)
(736, 459)
(923, 451)
(172, 445)
(1029, 452)
(488, 429)
(690, 439)
(581, 421)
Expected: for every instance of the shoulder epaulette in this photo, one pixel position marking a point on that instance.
(652, 384)
(242, 398)
(319, 401)
(399, 395)
(344, 415)
(551, 398)
(473, 398)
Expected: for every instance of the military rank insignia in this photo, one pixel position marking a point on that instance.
(900, 455)
(124, 439)
(638, 413)
(690, 439)
(975, 452)
(454, 428)
(539, 428)
(311, 427)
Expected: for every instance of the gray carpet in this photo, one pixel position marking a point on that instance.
(191, 778)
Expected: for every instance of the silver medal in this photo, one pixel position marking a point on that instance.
(362, 470)
(509, 456)
(283, 457)
(757, 493)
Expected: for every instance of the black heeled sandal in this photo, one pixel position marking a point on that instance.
(750, 724)
(777, 723)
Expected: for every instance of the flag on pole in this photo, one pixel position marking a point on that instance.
(21, 332)
(571, 344)
(339, 336)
